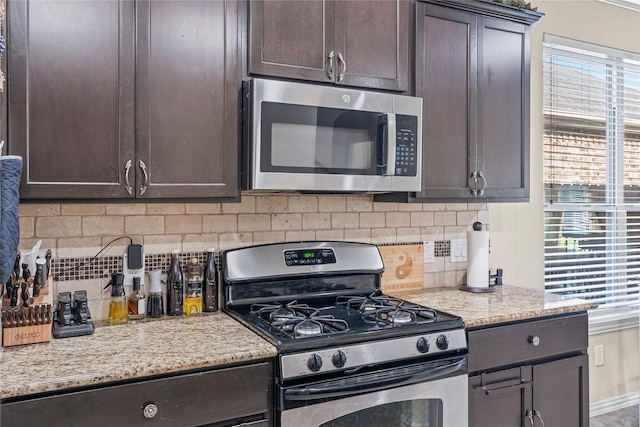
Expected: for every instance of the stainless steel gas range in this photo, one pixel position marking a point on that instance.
(348, 355)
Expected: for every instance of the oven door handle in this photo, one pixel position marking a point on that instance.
(374, 382)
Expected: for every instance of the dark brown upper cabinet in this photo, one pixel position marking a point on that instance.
(123, 99)
(353, 43)
(472, 71)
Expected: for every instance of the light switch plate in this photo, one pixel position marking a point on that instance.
(429, 251)
(458, 250)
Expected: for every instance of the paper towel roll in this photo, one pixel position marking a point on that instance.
(478, 259)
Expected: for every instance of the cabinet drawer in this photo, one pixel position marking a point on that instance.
(186, 400)
(512, 344)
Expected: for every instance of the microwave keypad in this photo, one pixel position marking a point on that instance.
(406, 153)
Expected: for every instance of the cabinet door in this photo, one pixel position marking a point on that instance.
(187, 93)
(216, 397)
(501, 398)
(291, 38)
(445, 79)
(503, 108)
(561, 391)
(372, 38)
(70, 96)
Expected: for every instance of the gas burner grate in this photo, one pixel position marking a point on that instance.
(298, 320)
(387, 310)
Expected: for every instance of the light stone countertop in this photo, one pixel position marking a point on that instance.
(134, 350)
(170, 345)
(506, 304)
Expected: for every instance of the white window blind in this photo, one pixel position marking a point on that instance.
(592, 172)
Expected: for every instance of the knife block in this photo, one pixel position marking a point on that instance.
(34, 333)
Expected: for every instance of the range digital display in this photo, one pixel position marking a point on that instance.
(309, 256)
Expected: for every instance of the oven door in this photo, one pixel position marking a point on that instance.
(432, 394)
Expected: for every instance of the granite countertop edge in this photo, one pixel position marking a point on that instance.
(138, 350)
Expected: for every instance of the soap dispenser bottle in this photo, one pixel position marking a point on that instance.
(118, 304)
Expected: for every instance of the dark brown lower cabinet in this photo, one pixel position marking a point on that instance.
(530, 374)
(551, 394)
(234, 396)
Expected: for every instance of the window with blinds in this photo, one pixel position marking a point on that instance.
(592, 172)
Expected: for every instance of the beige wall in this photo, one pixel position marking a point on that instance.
(517, 238)
(619, 374)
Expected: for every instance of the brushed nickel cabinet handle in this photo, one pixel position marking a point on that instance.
(484, 183)
(344, 67)
(474, 181)
(529, 415)
(127, 168)
(330, 69)
(537, 414)
(143, 188)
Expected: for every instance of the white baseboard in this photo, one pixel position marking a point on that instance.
(613, 404)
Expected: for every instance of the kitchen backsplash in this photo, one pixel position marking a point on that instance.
(76, 232)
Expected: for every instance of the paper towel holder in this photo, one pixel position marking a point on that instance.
(495, 280)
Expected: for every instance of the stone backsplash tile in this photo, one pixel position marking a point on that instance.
(75, 232)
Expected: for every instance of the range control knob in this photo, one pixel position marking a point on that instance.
(314, 362)
(339, 359)
(423, 345)
(442, 342)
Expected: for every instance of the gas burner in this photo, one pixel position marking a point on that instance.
(401, 317)
(307, 328)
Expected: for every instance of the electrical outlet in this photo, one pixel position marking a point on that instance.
(599, 355)
(458, 250)
(429, 251)
(129, 273)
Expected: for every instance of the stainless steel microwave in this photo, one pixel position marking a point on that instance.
(314, 138)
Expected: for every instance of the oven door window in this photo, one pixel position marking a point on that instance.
(414, 413)
(305, 139)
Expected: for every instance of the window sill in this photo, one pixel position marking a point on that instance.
(611, 321)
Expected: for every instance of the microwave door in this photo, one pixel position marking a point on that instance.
(386, 143)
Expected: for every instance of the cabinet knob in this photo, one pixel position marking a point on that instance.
(150, 410)
(533, 340)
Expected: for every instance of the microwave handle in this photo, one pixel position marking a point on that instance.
(387, 147)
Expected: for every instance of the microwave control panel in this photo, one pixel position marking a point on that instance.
(406, 145)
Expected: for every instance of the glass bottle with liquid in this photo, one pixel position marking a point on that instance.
(210, 283)
(174, 286)
(137, 302)
(118, 304)
(193, 288)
